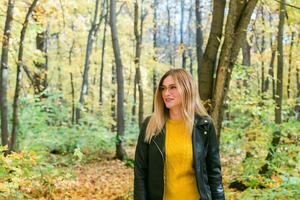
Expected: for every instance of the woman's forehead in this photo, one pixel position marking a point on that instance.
(168, 80)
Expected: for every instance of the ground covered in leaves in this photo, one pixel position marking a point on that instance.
(109, 179)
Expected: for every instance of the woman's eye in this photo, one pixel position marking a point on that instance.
(173, 87)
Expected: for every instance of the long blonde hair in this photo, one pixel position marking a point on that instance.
(191, 103)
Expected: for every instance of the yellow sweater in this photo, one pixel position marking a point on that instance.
(180, 180)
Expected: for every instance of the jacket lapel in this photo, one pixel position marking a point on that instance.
(159, 140)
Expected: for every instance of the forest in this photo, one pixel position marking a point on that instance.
(78, 78)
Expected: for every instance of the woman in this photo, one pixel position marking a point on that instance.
(177, 154)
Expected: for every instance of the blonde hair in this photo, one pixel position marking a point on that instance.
(191, 103)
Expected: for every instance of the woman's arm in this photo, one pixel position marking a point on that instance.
(213, 165)
(141, 165)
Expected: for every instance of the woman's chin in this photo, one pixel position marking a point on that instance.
(170, 106)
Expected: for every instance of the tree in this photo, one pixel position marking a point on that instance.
(18, 77)
(279, 88)
(40, 78)
(120, 151)
(262, 50)
(182, 45)
(246, 49)
(171, 62)
(205, 79)
(103, 53)
(4, 72)
(113, 98)
(89, 47)
(271, 65)
(199, 40)
(154, 71)
(279, 85)
(238, 18)
(138, 33)
(190, 31)
(290, 64)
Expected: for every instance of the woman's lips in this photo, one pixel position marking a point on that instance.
(169, 99)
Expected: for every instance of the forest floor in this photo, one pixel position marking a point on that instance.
(109, 179)
(105, 180)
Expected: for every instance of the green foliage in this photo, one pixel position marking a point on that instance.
(45, 126)
(248, 130)
(27, 175)
(129, 162)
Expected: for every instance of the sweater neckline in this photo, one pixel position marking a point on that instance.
(175, 121)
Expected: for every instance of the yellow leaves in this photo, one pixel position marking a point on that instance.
(4, 188)
(291, 101)
(181, 49)
(276, 178)
(104, 180)
(276, 181)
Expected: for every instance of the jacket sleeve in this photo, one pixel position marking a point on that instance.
(213, 165)
(141, 165)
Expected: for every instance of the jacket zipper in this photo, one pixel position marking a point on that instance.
(194, 143)
(162, 156)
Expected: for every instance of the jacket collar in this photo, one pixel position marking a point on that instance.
(159, 139)
(201, 120)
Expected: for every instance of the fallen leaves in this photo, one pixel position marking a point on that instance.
(106, 180)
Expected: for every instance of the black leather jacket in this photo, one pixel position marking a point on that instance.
(150, 158)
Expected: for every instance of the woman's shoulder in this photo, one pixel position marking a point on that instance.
(146, 119)
(201, 120)
(145, 122)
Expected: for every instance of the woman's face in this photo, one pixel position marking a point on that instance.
(170, 93)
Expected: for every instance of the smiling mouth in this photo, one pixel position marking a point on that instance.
(168, 100)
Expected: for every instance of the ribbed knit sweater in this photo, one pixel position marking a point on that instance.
(180, 180)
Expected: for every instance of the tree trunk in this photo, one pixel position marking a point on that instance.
(271, 73)
(262, 50)
(103, 54)
(278, 97)
(4, 73)
(89, 47)
(246, 49)
(18, 78)
(298, 80)
(210, 54)
(113, 98)
(73, 99)
(133, 110)
(290, 64)
(154, 86)
(59, 67)
(154, 76)
(169, 33)
(182, 45)
(120, 151)
(199, 42)
(40, 78)
(237, 22)
(136, 59)
(298, 75)
(138, 39)
(190, 51)
(271, 65)
(175, 44)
